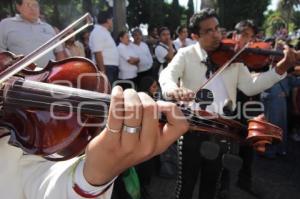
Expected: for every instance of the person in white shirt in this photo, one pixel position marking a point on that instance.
(129, 61)
(74, 48)
(189, 66)
(164, 51)
(132, 135)
(103, 47)
(25, 32)
(182, 39)
(143, 52)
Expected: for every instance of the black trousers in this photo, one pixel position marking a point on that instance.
(214, 179)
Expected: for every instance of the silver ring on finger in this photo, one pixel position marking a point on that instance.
(131, 129)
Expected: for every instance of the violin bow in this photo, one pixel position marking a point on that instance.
(52, 43)
(221, 69)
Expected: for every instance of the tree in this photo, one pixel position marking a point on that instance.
(174, 16)
(234, 11)
(137, 12)
(287, 8)
(273, 22)
(190, 11)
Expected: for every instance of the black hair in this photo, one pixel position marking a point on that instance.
(180, 29)
(197, 18)
(121, 34)
(135, 31)
(162, 29)
(103, 16)
(151, 28)
(145, 83)
(20, 2)
(242, 25)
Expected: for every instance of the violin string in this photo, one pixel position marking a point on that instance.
(22, 100)
(100, 111)
(101, 100)
(58, 92)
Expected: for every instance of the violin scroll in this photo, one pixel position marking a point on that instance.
(261, 133)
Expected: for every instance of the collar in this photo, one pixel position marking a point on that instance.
(202, 54)
(162, 44)
(20, 19)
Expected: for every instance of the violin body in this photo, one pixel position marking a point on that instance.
(256, 56)
(56, 134)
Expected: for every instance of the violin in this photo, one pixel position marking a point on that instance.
(255, 56)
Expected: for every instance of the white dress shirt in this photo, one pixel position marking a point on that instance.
(145, 56)
(178, 43)
(32, 177)
(187, 65)
(127, 70)
(101, 41)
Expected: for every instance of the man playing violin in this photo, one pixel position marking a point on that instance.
(192, 65)
(25, 32)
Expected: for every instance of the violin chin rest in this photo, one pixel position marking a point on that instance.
(209, 150)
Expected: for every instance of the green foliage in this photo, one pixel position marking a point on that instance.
(273, 22)
(155, 12)
(233, 11)
(285, 16)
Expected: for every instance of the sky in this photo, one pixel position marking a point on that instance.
(197, 2)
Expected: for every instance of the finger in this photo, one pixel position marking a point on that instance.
(116, 113)
(132, 117)
(176, 95)
(176, 126)
(179, 94)
(150, 127)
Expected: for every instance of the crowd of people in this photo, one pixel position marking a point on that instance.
(165, 67)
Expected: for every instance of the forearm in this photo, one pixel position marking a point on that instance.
(99, 61)
(281, 68)
(170, 55)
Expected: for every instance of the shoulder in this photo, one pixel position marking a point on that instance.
(7, 22)
(121, 46)
(144, 45)
(48, 27)
(187, 50)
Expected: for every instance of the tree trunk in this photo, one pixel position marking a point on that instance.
(11, 6)
(87, 6)
(119, 11)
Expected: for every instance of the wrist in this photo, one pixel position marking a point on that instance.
(281, 68)
(94, 176)
(84, 188)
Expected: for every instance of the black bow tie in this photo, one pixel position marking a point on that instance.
(211, 67)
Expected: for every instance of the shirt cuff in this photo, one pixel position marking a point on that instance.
(280, 77)
(83, 188)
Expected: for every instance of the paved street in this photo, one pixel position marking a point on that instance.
(279, 177)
